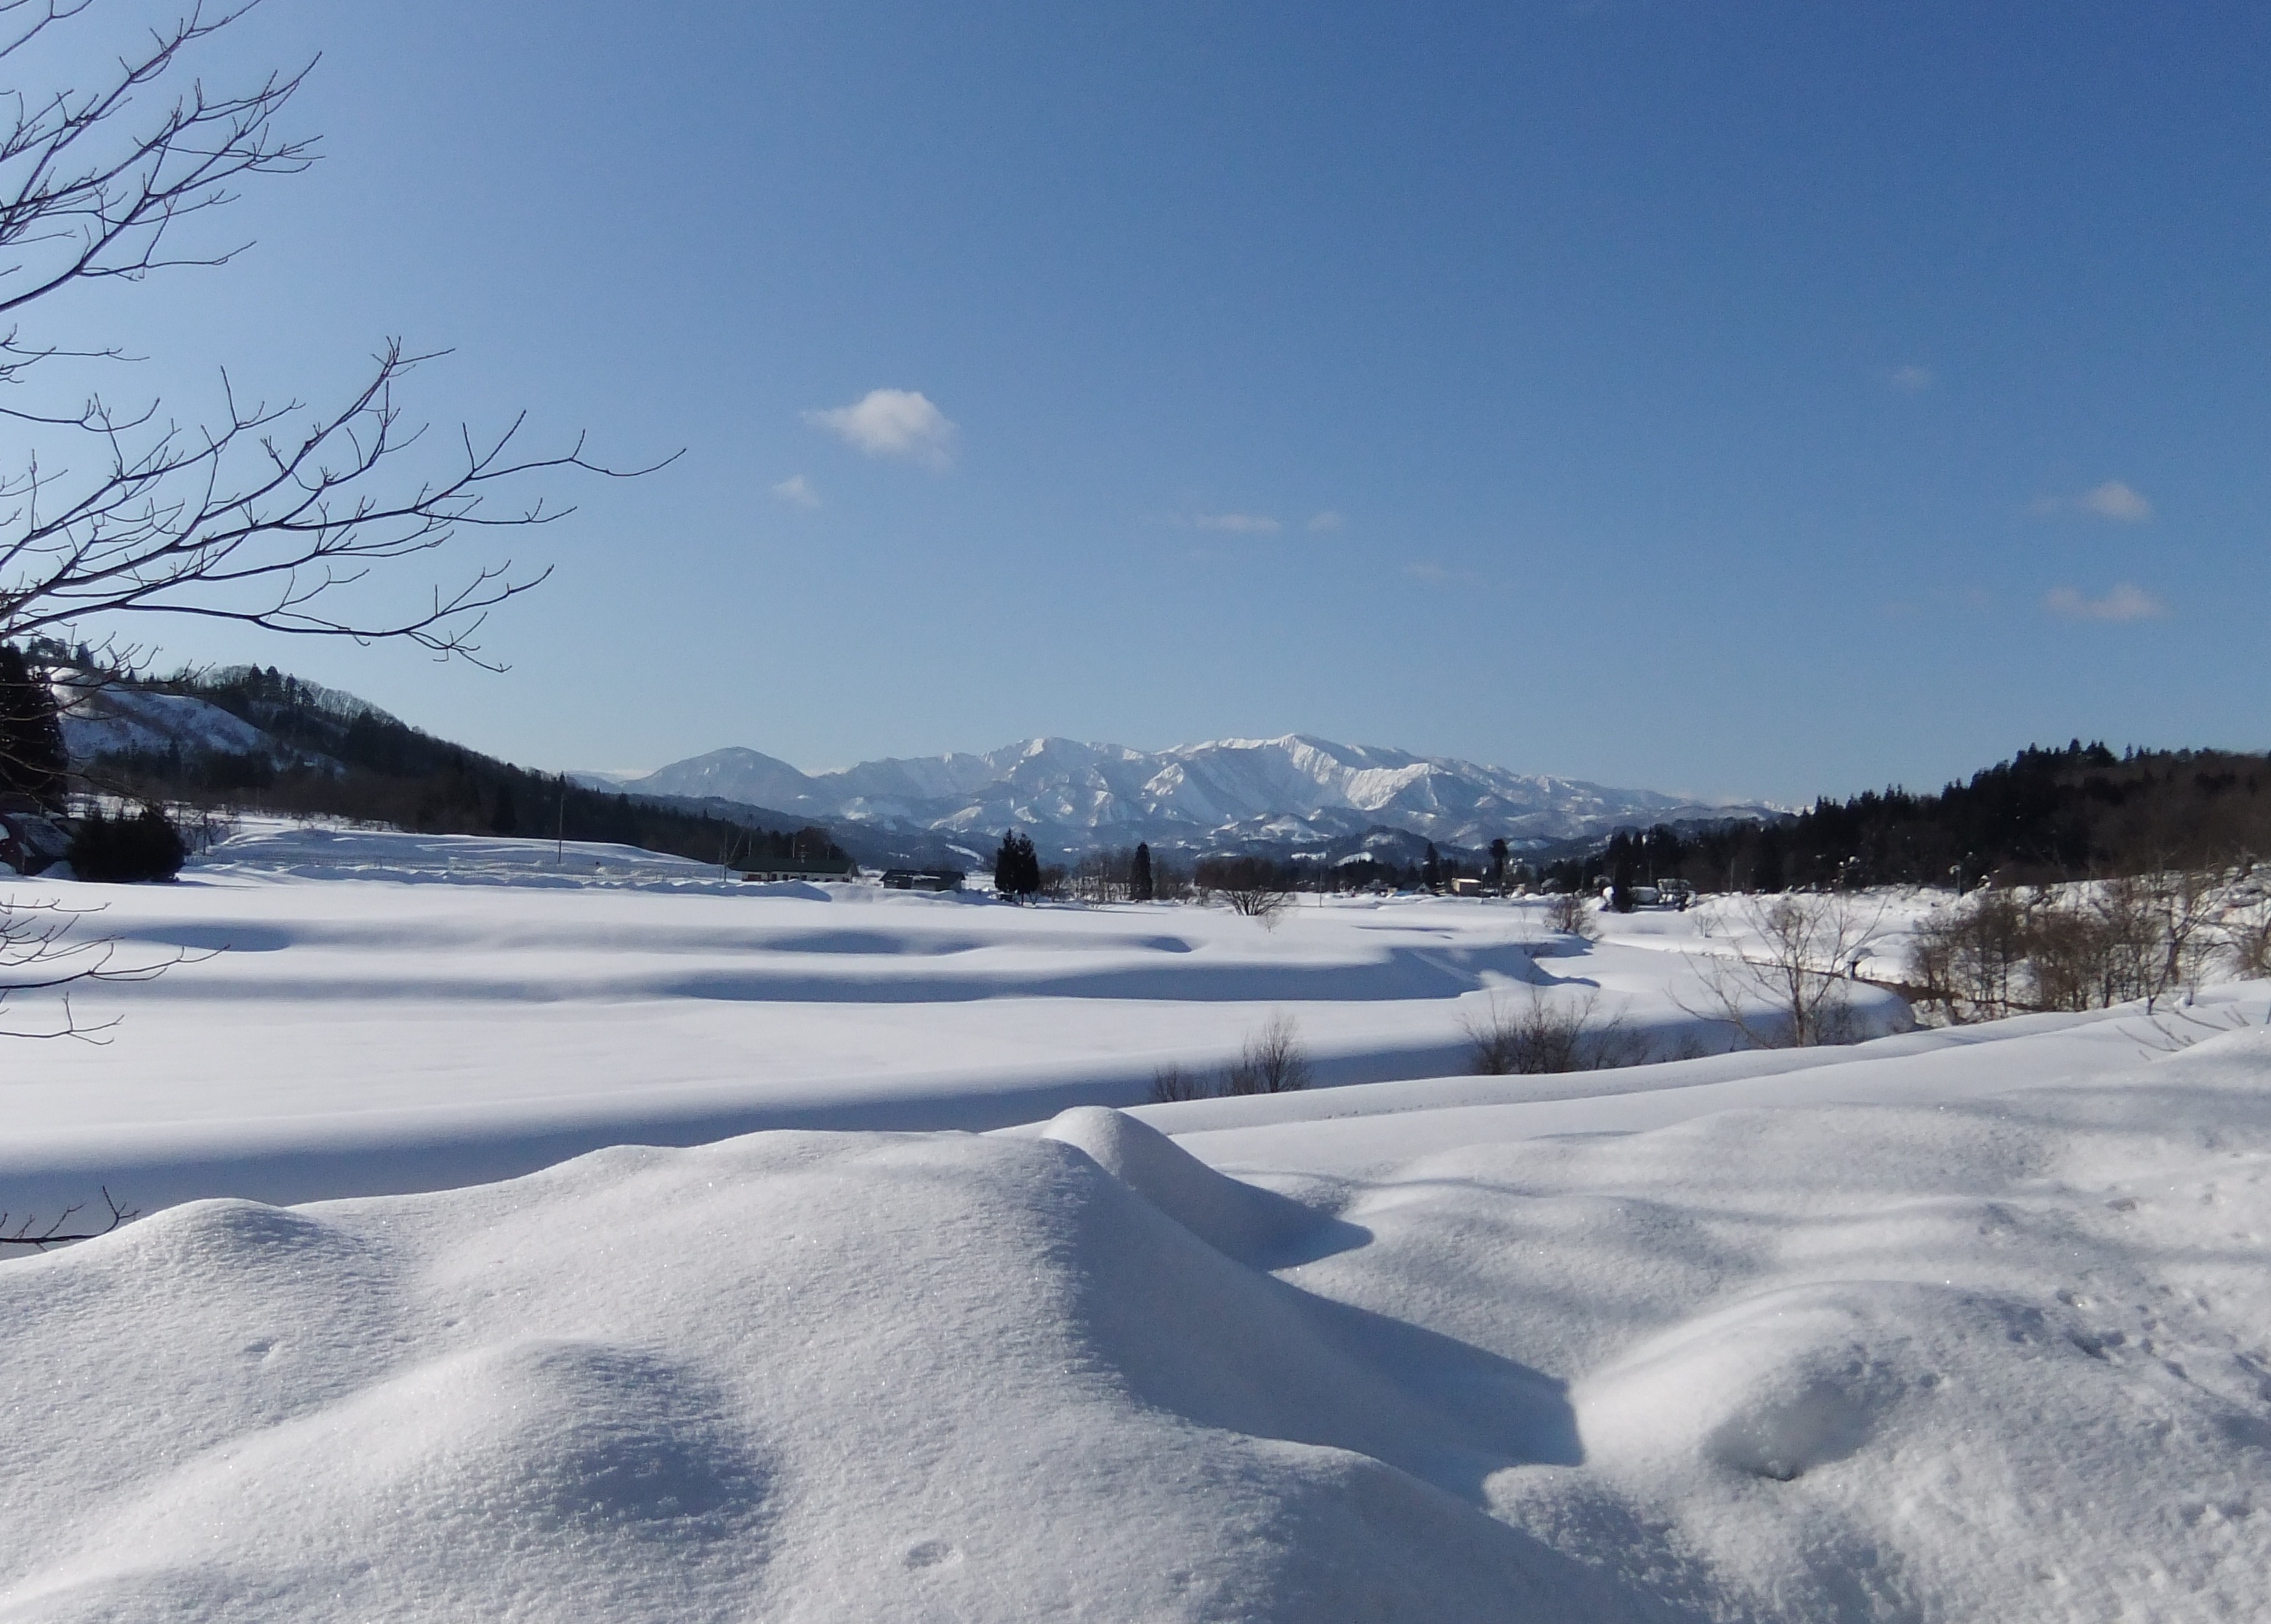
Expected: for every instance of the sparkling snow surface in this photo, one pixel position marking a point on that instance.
(1943, 1326)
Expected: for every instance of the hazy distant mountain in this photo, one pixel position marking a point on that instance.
(1074, 797)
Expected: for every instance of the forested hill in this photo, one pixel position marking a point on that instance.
(305, 749)
(2045, 814)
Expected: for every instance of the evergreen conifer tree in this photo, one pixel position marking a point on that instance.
(1620, 874)
(31, 759)
(1016, 866)
(1139, 874)
(1770, 875)
(1430, 870)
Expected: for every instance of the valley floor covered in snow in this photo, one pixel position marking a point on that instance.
(1942, 1325)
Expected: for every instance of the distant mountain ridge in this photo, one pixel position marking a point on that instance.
(1073, 797)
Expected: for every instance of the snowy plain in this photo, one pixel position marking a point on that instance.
(373, 1012)
(1942, 1325)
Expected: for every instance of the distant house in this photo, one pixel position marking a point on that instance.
(1464, 885)
(923, 879)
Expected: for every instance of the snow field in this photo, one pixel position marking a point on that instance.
(369, 1012)
(1948, 1325)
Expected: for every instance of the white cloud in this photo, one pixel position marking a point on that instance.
(892, 422)
(2115, 500)
(2112, 500)
(1428, 572)
(1327, 520)
(2124, 602)
(798, 489)
(1238, 524)
(1912, 379)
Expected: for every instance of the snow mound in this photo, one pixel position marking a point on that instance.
(681, 1385)
(1241, 1220)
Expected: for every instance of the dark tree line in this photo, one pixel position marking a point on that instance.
(369, 767)
(2044, 815)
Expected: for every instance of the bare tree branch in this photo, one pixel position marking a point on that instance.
(268, 515)
(37, 954)
(28, 1231)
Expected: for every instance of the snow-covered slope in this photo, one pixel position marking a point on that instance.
(1073, 796)
(111, 717)
(105, 721)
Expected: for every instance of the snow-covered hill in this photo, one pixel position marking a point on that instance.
(103, 718)
(100, 721)
(1077, 796)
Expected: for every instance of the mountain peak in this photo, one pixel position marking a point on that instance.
(1073, 796)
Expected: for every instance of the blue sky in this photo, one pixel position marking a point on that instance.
(1752, 399)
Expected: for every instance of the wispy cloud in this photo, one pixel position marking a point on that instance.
(1912, 379)
(798, 489)
(1426, 572)
(892, 422)
(2124, 602)
(1325, 520)
(2115, 500)
(1238, 524)
(2122, 503)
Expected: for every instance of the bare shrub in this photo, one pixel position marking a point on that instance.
(1255, 887)
(1171, 1082)
(2246, 925)
(2186, 905)
(1271, 1062)
(1805, 950)
(2089, 946)
(2137, 936)
(1171, 882)
(1101, 876)
(2072, 961)
(1571, 913)
(1258, 905)
(1929, 966)
(1972, 960)
(1539, 1035)
(203, 828)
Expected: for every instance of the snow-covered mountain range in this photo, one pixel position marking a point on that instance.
(1075, 797)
